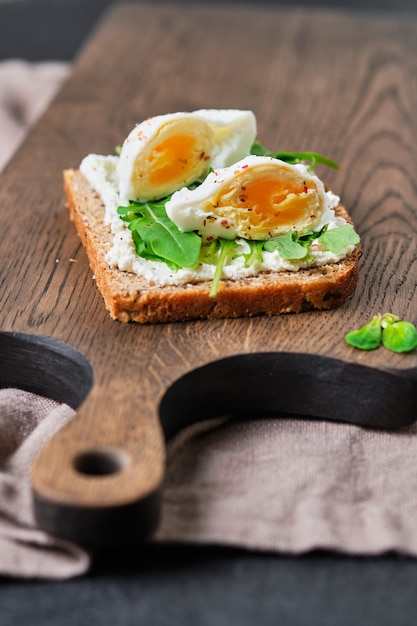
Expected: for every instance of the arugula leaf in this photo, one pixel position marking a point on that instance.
(335, 239)
(292, 246)
(157, 238)
(288, 246)
(308, 238)
(208, 251)
(313, 158)
(255, 252)
(226, 247)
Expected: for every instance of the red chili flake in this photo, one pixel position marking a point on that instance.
(244, 167)
(305, 189)
(224, 222)
(210, 238)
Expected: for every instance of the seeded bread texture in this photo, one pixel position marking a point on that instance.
(130, 298)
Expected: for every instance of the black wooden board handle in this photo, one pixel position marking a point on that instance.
(45, 366)
(291, 384)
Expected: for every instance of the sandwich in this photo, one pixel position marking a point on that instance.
(193, 219)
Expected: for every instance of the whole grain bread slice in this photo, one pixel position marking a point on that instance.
(129, 297)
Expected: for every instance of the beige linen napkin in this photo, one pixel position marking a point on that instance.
(25, 91)
(293, 485)
(26, 422)
(278, 485)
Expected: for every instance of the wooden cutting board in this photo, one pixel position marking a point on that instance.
(331, 82)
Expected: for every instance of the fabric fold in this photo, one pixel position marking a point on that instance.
(26, 89)
(293, 485)
(27, 421)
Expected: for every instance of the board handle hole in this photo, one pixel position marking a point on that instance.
(100, 462)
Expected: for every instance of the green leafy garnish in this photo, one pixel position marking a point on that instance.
(157, 238)
(209, 251)
(310, 158)
(226, 247)
(255, 252)
(388, 330)
(292, 246)
(368, 337)
(288, 246)
(335, 239)
(398, 335)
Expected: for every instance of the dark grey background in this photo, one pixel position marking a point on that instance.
(185, 586)
(54, 29)
(190, 586)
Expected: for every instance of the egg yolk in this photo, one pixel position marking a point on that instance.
(268, 204)
(169, 160)
(178, 155)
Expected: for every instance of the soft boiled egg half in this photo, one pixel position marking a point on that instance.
(256, 198)
(168, 152)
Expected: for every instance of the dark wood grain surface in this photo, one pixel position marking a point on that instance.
(337, 83)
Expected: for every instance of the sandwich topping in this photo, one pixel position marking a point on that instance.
(168, 152)
(194, 197)
(257, 198)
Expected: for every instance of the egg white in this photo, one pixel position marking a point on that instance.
(167, 152)
(219, 208)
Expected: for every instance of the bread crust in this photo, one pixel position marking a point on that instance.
(129, 297)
